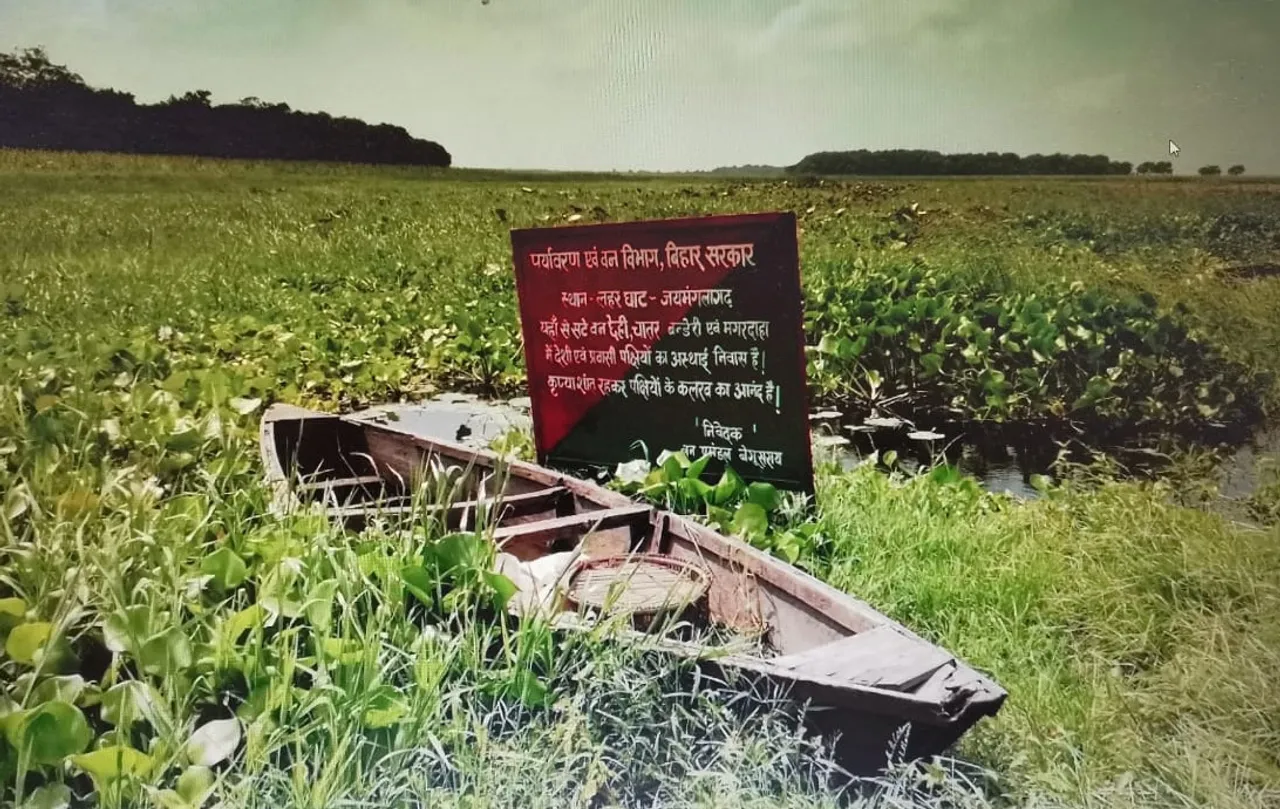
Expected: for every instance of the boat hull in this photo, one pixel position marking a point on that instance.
(860, 676)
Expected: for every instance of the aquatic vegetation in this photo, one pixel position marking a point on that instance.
(168, 640)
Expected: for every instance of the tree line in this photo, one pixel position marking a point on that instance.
(46, 106)
(922, 162)
(1214, 171)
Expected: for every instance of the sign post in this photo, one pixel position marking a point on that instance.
(681, 335)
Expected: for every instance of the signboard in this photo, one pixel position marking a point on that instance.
(682, 334)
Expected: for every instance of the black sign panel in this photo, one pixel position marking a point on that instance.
(682, 335)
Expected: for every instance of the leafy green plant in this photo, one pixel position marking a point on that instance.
(924, 342)
(753, 511)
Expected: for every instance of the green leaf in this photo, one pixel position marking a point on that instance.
(213, 742)
(728, 489)
(932, 363)
(49, 796)
(67, 688)
(524, 685)
(77, 502)
(124, 631)
(242, 621)
(126, 703)
(45, 402)
(994, 381)
(319, 606)
(458, 552)
(227, 569)
(168, 799)
(946, 474)
(185, 441)
(693, 490)
(750, 521)
(14, 607)
(503, 589)
(889, 457)
(120, 703)
(51, 732)
(788, 547)
(765, 495)
(696, 468)
(195, 785)
(719, 517)
(418, 582)
(673, 466)
(385, 708)
(25, 641)
(345, 652)
(166, 653)
(108, 764)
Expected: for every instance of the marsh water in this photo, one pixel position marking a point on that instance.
(1004, 463)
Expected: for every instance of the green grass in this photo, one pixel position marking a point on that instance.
(150, 307)
(1134, 637)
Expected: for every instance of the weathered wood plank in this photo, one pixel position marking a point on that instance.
(940, 686)
(824, 602)
(575, 525)
(882, 657)
(338, 483)
(506, 506)
(511, 505)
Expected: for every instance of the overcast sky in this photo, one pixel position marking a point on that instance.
(693, 84)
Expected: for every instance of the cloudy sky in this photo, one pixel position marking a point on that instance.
(692, 84)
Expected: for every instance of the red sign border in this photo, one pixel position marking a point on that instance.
(520, 238)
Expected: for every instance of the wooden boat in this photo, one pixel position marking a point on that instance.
(860, 674)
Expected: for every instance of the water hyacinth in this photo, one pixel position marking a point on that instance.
(150, 596)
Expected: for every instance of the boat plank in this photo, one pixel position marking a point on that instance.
(939, 687)
(519, 469)
(506, 506)
(532, 538)
(338, 483)
(882, 657)
(831, 604)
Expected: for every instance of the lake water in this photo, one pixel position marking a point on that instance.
(998, 467)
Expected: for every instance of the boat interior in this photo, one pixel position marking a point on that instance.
(362, 472)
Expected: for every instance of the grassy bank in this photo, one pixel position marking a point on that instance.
(149, 309)
(1137, 637)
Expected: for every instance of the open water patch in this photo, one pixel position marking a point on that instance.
(460, 418)
(1006, 458)
(1003, 459)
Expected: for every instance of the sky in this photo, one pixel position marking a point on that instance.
(675, 85)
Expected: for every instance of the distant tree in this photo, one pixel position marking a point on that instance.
(1236, 170)
(30, 68)
(46, 106)
(1145, 167)
(1162, 167)
(193, 98)
(922, 162)
(1210, 171)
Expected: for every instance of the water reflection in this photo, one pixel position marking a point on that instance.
(1002, 461)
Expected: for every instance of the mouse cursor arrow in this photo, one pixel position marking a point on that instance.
(1173, 149)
